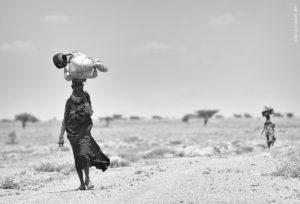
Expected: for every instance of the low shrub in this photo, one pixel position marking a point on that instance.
(116, 161)
(161, 152)
(175, 142)
(12, 138)
(290, 168)
(244, 149)
(131, 157)
(48, 166)
(9, 183)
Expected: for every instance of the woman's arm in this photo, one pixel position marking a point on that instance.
(100, 67)
(63, 128)
(88, 104)
(61, 137)
(263, 130)
(63, 124)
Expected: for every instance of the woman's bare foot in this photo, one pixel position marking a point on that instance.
(89, 184)
(81, 187)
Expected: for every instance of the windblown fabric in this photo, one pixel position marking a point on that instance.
(87, 147)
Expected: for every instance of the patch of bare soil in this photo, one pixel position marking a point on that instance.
(238, 179)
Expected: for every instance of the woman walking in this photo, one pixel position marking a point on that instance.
(78, 124)
(269, 127)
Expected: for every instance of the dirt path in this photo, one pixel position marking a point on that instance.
(239, 179)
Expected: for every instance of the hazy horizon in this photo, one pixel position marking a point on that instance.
(165, 58)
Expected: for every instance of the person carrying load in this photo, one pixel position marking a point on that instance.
(77, 120)
(78, 123)
(269, 127)
(78, 65)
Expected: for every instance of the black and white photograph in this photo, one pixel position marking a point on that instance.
(150, 101)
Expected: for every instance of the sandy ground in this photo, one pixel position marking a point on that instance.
(235, 168)
(237, 179)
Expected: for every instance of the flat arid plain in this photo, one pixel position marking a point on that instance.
(156, 161)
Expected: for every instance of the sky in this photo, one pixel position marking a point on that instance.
(165, 57)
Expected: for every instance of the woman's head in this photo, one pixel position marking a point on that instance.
(60, 60)
(77, 86)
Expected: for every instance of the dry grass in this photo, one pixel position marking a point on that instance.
(138, 141)
(116, 162)
(130, 156)
(12, 138)
(9, 183)
(161, 152)
(28, 180)
(290, 166)
(54, 166)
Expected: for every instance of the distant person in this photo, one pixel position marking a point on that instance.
(78, 124)
(78, 65)
(269, 127)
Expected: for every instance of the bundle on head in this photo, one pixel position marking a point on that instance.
(267, 111)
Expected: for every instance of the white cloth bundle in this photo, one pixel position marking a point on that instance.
(81, 66)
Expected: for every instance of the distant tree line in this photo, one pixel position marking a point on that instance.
(115, 117)
(201, 114)
(24, 118)
(275, 114)
(245, 115)
(207, 114)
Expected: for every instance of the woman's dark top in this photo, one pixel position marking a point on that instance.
(77, 118)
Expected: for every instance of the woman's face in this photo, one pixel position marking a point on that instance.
(78, 89)
(63, 61)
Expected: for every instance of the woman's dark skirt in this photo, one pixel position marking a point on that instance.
(87, 147)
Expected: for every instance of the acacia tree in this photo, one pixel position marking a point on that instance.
(157, 117)
(117, 116)
(289, 115)
(237, 115)
(278, 114)
(187, 117)
(107, 120)
(219, 116)
(26, 117)
(206, 114)
(134, 117)
(247, 115)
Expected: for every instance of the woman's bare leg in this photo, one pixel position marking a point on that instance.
(87, 175)
(87, 182)
(80, 174)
